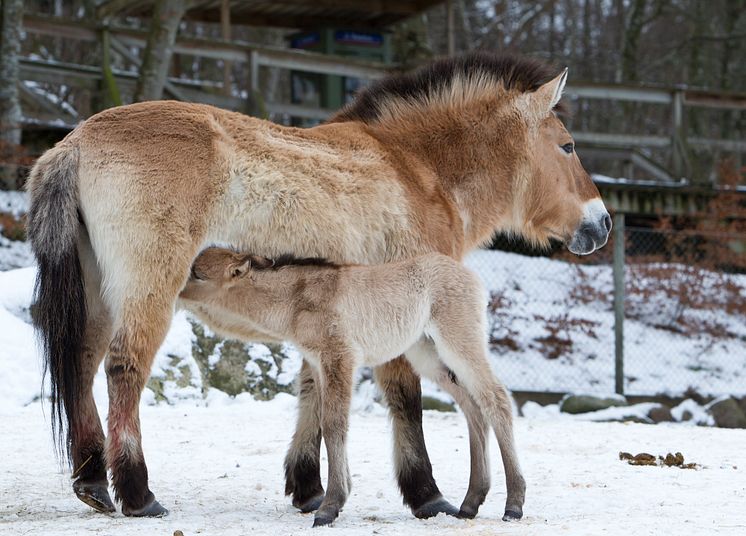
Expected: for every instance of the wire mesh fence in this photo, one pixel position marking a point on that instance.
(552, 317)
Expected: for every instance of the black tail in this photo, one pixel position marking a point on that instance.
(59, 311)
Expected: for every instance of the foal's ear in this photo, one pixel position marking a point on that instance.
(239, 269)
(261, 263)
(544, 99)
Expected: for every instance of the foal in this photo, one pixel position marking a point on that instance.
(429, 308)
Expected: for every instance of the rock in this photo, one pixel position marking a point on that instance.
(686, 415)
(575, 404)
(235, 367)
(727, 413)
(661, 414)
(429, 402)
(742, 403)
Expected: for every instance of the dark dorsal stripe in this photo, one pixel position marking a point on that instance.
(513, 72)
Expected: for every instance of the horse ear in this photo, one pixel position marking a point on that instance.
(261, 263)
(544, 99)
(239, 269)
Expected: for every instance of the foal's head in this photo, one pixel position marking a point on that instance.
(217, 269)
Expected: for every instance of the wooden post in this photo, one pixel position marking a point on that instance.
(677, 146)
(619, 303)
(111, 95)
(449, 28)
(225, 25)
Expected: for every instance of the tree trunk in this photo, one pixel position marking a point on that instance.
(11, 19)
(167, 15)
(632, 32)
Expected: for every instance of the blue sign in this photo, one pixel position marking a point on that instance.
(349, 37)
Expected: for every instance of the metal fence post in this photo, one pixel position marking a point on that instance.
(619, 303)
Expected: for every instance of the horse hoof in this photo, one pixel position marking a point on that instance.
(310, 505)
(467, 512)
(323, 519)
(95, 495)
(434, 507)
(152, 509)
(512, 515)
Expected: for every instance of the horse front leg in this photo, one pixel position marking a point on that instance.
(302, 462)
(401, 388)
(336, 392)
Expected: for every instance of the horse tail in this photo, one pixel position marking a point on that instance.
(59, 310)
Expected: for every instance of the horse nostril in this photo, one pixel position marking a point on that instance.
(607, 223)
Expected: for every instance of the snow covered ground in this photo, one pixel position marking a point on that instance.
(219, 470)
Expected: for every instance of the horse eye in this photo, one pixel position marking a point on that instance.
(568, 148)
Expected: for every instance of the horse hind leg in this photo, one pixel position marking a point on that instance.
(86, 434)
(425, 359)
(479, 476)
(466, 356)
(141, 297)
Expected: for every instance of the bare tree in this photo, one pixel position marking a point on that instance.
(167, 15)
(11, 18)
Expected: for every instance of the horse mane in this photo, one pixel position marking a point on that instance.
(288, 259)
(450, 80)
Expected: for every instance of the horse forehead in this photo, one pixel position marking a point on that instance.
(553, 126)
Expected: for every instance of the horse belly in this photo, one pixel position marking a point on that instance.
(345, 218)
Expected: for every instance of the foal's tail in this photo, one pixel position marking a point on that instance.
(59, 311)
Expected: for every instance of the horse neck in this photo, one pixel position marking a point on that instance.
(465, 168)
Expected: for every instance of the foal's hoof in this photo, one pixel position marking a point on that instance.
(512, 515)
(152, 509)
(95, 495)
(323, 518)
(309, 505)
(434, 507)
(467, 512)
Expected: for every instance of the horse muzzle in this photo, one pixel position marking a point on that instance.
(593, 231)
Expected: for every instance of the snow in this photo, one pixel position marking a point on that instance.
(537, 294)
(219, 471)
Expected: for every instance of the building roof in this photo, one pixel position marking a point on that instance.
(286, 13)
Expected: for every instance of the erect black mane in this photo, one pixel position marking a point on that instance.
(513, 72)
(291, 260)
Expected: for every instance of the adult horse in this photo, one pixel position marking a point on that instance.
(438, 160)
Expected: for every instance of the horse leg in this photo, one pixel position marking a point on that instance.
(336, 393)
(401, 389)
(86, 435)
(426, 362)
(302, 463)
(142, 301)
(467, 358)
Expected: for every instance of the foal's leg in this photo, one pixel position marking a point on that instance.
(302, 463)
(479, 477)
(401, 388)
(465, 354)
(86, 434)
(427, 363)
(336, 392)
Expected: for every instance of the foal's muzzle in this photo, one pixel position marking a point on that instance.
(593, 231)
